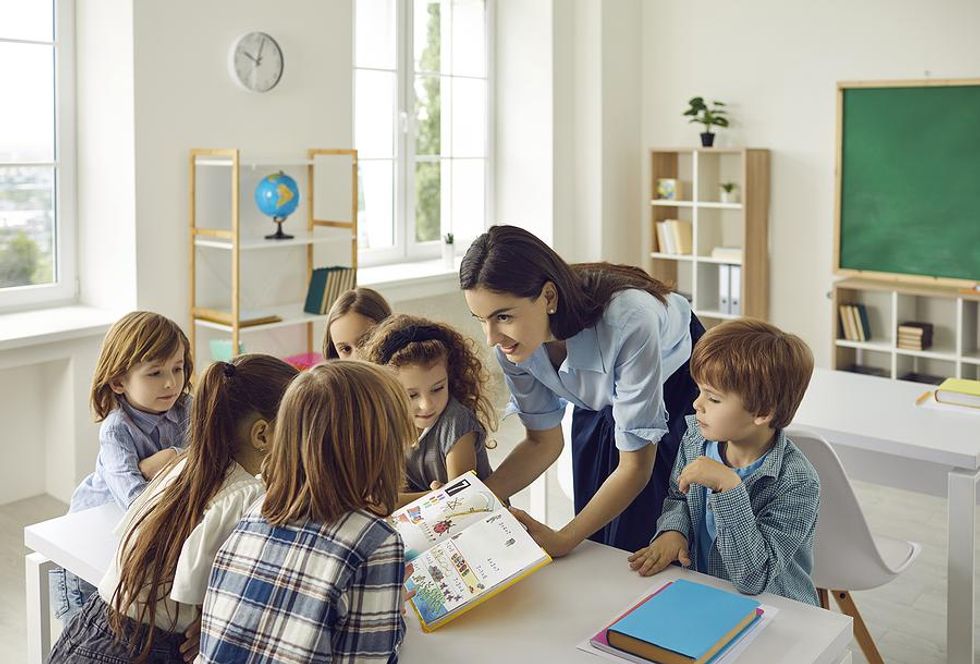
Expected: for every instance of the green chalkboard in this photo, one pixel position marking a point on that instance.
(910, 180)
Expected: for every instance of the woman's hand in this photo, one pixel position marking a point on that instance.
(552, 541)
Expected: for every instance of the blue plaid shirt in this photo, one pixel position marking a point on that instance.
(765, 525)
(305, 592)
(126, 437)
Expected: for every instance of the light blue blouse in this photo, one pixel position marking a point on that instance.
(622, 360)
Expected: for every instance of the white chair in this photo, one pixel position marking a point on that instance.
(846, 556)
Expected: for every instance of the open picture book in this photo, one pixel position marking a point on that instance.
(464, 547)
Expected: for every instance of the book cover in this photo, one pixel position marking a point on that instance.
(726, 655)
(683, 236)
(464, 547)
(724, 292)
(314, 293)
(667, 237)
(686, 622)
(735, 290)
(733, 254)
(959, 392)
(865, 322)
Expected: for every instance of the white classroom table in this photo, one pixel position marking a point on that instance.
(541, 619)
(879, 415)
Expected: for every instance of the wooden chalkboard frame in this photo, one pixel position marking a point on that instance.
(842, 86)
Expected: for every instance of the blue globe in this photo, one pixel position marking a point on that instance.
(277, 196)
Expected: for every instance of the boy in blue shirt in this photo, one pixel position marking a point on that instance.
(743, 499)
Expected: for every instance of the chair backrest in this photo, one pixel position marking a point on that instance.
(845, 556)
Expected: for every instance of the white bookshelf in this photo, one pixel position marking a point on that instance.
(955, 350)
(742, 224)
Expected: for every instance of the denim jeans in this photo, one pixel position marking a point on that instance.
(68, 593)
(88, 639)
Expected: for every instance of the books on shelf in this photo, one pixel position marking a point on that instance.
(326, 285)
(245, 318)
(868, 370)
(915, 335)
(921, 377)
(463, 547)
(959, 392)
(675, 237)
(730, 254)
(684, 622)
(854, 322)
(730, 289)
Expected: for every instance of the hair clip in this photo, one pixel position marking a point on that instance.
(229, 370)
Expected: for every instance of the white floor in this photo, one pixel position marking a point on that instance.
(907, 617)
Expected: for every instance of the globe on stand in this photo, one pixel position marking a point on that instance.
(277, 196)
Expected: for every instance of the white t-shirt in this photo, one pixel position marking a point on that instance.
(236, 495)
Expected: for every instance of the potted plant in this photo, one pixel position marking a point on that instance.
(709, 116)
(448, 251)
(728, 194)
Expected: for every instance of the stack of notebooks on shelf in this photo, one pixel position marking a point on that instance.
(854, 322)
(675, 236)
(683, 622)
(731, 254)
(913, 335)
(326, 284)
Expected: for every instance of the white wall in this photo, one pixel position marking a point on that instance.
(523, 122)
(777, 64)
(185, 98)
(105, 154)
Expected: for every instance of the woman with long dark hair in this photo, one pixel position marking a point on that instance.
(607, 338)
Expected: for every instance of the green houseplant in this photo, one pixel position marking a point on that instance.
(728, 194)
(709, 116)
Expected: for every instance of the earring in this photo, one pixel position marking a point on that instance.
(551, 311)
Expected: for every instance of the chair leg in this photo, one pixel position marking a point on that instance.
(824, 598)
(861, 633)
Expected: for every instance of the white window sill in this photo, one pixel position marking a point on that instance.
(44, 326)
(411, 281)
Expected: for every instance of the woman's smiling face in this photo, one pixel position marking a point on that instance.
(518, 325)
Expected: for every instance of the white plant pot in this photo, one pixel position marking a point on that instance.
(449, 256)
(729, 196)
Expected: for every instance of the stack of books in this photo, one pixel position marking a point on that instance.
(913, 335)
(682, 623)
(854, 322)
(326, 285)
(675, 236)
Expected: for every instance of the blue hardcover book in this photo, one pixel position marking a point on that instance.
(314, 295)
(685, 623)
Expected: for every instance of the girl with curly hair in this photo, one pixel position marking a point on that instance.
(446, 382)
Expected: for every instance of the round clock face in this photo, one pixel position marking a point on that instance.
(256, 62)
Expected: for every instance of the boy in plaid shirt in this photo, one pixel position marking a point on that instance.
(743, 499)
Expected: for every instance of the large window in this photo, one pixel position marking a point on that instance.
(421, 125)
(36, 155)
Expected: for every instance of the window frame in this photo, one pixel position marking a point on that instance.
(405, 248)
(64, 289)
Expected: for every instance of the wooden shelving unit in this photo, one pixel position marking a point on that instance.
(239, 241)
(743, 224)
(955, 351)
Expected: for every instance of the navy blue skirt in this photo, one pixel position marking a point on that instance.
(595, 457)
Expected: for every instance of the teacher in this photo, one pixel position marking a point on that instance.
(611, 340)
